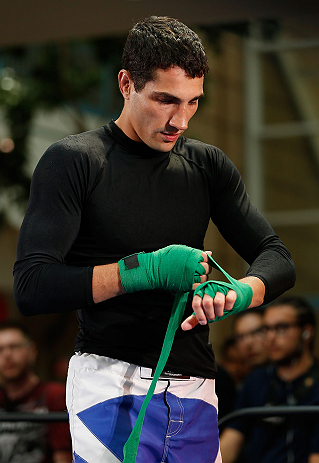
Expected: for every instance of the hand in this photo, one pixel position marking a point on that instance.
(207, 308)
(175, 267)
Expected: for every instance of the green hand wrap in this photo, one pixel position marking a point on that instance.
(175, 267)
(211, 287)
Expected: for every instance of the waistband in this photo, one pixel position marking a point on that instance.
(124, 369)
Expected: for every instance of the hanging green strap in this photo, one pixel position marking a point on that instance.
(131, 446)
(244, 298)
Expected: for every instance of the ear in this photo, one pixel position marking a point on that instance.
(125, 83)
(308, 332)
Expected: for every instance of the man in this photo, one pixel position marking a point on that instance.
(23, 391)
(232, 361)
(250, 337)
(291, 379)
(137, 185)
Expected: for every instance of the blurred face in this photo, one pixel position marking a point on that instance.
(250, 339)
(283, 335)
(235, 364)
(159, 113)
(17, 354)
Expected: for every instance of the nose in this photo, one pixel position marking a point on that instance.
(179, 119)
(270, 335)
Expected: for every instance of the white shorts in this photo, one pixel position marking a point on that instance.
(104, 397)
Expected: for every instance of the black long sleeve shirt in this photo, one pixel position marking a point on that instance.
(99, 196)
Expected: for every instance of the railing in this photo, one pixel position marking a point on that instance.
(253, 412)
(250, 413)
(34, 417)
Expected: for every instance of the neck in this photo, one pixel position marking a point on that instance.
(297, 367)
(19, 387)
(123, 124)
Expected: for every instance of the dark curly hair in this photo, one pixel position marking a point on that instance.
(160, 42)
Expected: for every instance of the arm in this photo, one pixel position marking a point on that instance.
(314, 458)
(43, 283)
(231, 443)
(106, 282)
(249, 233)
(271, 270)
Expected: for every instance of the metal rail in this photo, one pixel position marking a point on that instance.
(34, 417)
(250, 412)
(253, 412)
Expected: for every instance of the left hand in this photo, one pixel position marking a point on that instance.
(207, 308)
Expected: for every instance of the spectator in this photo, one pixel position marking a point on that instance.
(292, 378)
(23, 391)
(233, 361)
(250, 338)
(230, 371)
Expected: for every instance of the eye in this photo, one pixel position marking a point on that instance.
(164, 101)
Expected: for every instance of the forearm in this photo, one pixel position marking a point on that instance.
(106, 282)
(258, 288)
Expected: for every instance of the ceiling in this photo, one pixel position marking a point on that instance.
(32, 21)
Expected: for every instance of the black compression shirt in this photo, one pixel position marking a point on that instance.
(99, 196)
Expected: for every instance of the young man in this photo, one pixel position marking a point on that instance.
(137, 185)
(292, 378)
(23, 391)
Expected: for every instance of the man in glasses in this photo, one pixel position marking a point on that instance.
(292, 378)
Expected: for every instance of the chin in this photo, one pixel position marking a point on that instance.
(160, 145)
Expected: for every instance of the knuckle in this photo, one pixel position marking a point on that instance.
(219, 300)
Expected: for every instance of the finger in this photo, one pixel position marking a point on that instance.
(198, 310)
(204, 255)
(202, 278)
(207, 267)
(189, 323)
(208, 307)
(219, 304)
(195, 285)
(230, 300)
(206, 260)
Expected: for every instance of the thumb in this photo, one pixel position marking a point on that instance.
(189, 323)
